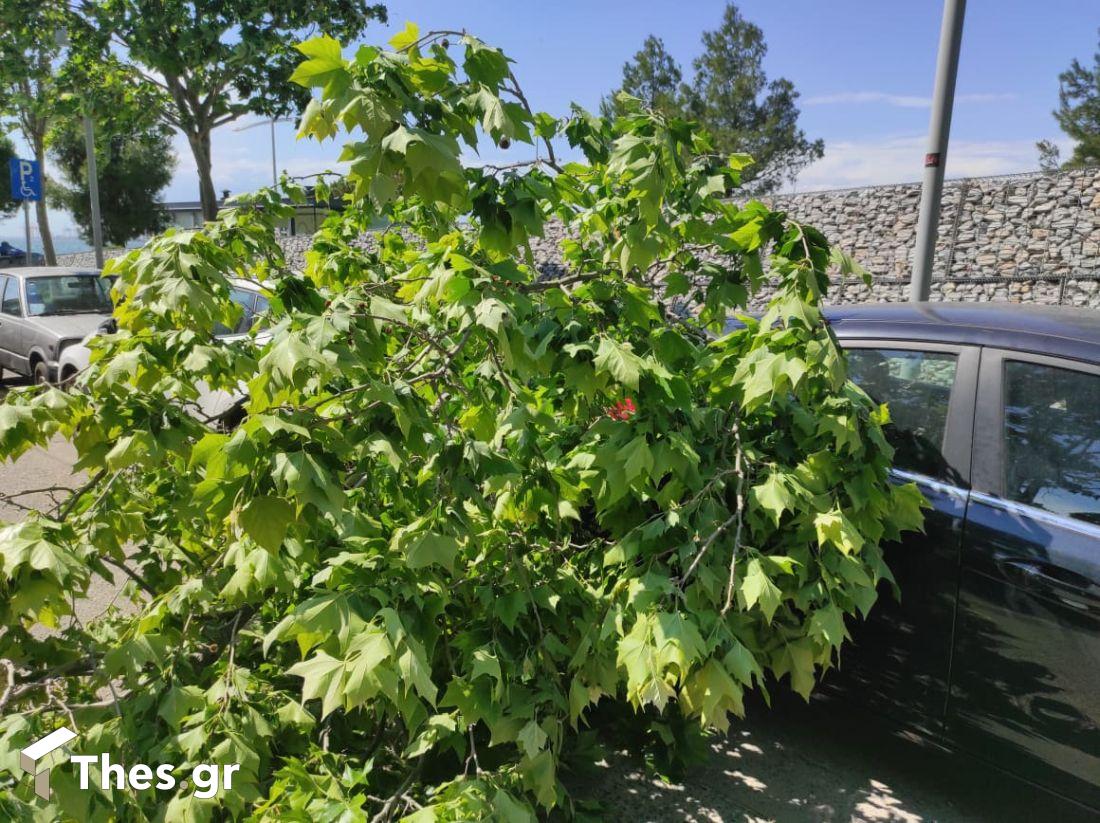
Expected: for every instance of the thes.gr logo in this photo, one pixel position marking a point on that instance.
(36, 759)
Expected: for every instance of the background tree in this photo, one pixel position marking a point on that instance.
(134, 167)
(216, 61)
(1050, 155)
(134, 155)
(29, 91)
(653, 77)
(8, 204)
(1078, 114)
(731, 96)
(472, 517)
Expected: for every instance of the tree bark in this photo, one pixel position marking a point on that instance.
(41, 212)
(200, 148)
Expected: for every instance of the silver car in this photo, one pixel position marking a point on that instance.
(44, 310)
(212, 403)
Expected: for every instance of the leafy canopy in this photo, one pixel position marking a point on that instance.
(8, 204)
(1078, 114)
(730, 95)
(215, 61)
(30, 91)
(134, 157)
(472, 519)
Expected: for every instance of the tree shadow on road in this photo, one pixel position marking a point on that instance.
(825, 761)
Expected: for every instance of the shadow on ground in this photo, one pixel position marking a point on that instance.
(825, 761)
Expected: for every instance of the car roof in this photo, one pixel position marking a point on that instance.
(1061, 331)
(48, 271)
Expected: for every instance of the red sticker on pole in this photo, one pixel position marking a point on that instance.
(932, 159)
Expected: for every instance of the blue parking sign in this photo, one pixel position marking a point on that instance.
(26, 182)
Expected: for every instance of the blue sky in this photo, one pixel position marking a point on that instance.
(864, 69)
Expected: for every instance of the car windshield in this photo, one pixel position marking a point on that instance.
(246, 299)
(68, 294)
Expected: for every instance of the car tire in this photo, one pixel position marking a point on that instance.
(41, 373)
(66, 379)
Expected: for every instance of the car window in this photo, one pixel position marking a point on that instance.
(9, 297)
(1052, 439)
(68, 294)
(262, 305)
(916, 387)
(246, 300)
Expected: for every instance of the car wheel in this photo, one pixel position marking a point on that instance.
(41, 373)
(68, 377)
(232, 417)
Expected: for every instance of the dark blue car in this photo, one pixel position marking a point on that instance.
(994, 646)
(12, 256)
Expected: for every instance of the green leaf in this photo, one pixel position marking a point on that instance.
(426, 548)
(491, 313)
(325, 61)
(637, 458)
(406, 37)
(619, 361)
(758, 588)
(772, 496)
(265, 520)
(712, 694)
(828, 624)
(835, 528)
(531, 739)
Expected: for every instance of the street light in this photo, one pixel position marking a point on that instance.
(939, 130)
(61, 37)
(272, 122)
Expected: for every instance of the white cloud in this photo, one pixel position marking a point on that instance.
(904, 101)
(901, 160)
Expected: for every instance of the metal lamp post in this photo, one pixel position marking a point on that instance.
(61, 36)
(271, 122)
(943, 100)
(93, 190)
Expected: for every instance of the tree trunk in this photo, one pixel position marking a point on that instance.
(40, 207)
(200, 148)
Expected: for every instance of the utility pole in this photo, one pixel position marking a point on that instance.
(939, 130)
(61, 37)
(27, 257)
(274, 174)
(93, 190)
(271, 122)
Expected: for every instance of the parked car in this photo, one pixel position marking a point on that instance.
(43, 312)
(211, 403)
(11, 256)
(994, 645)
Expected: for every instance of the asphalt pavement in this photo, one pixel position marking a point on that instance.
(43, 471)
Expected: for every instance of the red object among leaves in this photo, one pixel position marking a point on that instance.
(623, 410)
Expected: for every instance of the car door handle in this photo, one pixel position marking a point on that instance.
(1052, 576)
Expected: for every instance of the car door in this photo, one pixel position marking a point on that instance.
(12, 354)
(1026, 674)
(900, 656)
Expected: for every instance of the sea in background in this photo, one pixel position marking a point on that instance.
(62, 243)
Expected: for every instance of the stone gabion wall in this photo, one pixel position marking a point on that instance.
(1026, 238)
(999, 237)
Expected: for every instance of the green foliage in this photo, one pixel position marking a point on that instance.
(30, 93)
(217, 61)
(134, 160)
(730, 95)
(8, 204)
(1078, 114)
(652, 76)
(473, 519)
